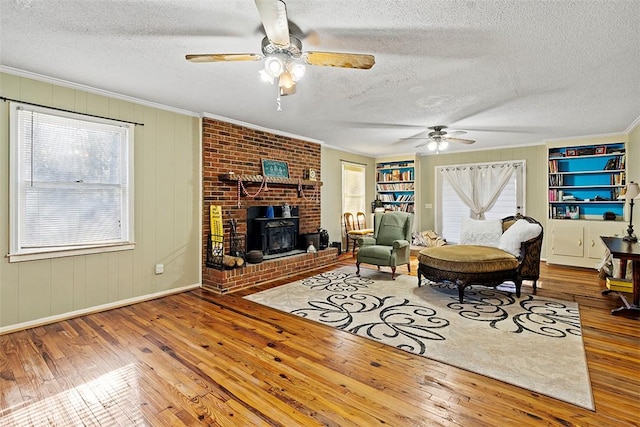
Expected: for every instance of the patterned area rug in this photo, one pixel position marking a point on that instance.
(531, 342)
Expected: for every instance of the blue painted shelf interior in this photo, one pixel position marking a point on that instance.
(587, 179)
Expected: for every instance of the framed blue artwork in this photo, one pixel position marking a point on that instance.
(275, 168)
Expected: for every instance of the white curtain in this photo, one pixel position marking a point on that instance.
(479, 186)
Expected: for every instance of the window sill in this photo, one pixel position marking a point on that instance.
(32, 256)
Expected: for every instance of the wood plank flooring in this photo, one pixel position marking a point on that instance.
(198, 358)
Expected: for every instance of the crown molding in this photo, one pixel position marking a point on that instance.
(96, 91)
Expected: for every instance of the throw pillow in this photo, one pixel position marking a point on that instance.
(521, 231)
(481, 232)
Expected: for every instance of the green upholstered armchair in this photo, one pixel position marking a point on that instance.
(390, 243)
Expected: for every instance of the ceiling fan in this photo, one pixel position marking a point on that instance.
(439, 139)
(282, 52)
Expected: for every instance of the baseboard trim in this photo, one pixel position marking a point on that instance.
(95, 309)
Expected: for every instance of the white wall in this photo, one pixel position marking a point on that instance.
(167, 226)
(633, 153)
(331, 173)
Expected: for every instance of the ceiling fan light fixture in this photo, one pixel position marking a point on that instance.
(274, 66)
(265, 77)
(282, 53)
(297, 70)
(432, 145)
(286, 91)
(286, 80)
(443, 144)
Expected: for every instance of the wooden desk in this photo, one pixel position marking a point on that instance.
(626, 251)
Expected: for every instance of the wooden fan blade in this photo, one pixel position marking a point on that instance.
(273, 14)
(461, 141)
(336, 59)
(456, 132)
(223, 57)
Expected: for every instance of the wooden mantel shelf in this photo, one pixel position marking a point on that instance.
(257, 179)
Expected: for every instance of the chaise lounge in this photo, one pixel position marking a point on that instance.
(516, 258)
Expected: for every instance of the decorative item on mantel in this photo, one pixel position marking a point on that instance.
(310, 174)
(315, 197)
(632, 191)
(241, 179)
(286, 211)
(263, 186)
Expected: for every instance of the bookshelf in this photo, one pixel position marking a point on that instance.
(395, 185)
(585, 181)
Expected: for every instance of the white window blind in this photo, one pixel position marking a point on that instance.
(451, 209)
(70, 182)
(353, 187)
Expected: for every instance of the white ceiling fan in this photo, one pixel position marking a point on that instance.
(282, 51)
(439, 139)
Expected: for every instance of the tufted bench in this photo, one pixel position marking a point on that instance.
(467, 265)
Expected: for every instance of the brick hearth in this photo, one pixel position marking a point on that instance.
(224, 281)
(233, 148)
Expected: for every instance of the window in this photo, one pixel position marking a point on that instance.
(70, 183)
(451, 208)
(353, 187)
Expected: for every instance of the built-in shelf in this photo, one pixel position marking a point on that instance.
(395, 185)
(585, 181)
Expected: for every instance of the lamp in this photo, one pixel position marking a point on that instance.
(632, 192)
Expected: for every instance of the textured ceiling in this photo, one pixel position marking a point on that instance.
(510, 73)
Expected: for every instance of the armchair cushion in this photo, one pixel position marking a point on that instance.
(397, 244)
(376, 254)
(366, 241)
(392, 227)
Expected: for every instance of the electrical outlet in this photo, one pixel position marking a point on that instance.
(159, 268)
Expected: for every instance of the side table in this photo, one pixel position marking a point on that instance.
(626, 251)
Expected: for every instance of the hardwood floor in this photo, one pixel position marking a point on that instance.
(201, 359)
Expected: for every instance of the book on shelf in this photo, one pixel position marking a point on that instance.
(617, 178)
(395, 187)
(615, 163)
(556, 180)
(395, 175)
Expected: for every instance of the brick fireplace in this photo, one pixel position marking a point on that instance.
(231, 151)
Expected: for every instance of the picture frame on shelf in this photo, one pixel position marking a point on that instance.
(601, 150)
(275, 168)
(571, 152)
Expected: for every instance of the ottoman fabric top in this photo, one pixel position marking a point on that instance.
(468, 259)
